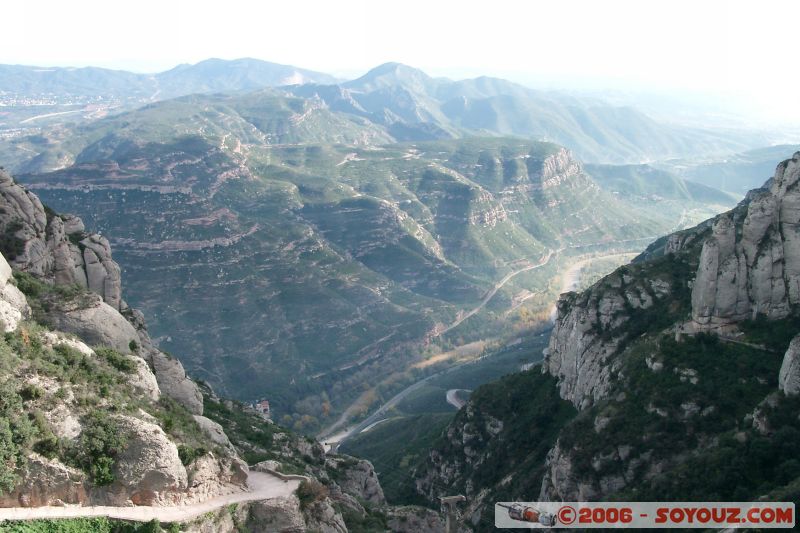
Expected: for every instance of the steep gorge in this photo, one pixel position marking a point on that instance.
(655, 377)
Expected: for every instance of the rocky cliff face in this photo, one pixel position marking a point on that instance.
(751, 266)
(58, 250)
(55, 248)
(75, 289)
(745, 263)
(682, 362)
(741, 266)
(789, 377)
(591, 327)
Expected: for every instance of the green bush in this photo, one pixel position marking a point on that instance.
(311, 491)
(8, 457)
(188, 454)
(121, 362)
(82, 525)
(49, 446)
(100, 442)
(10, 244)
(30, 392)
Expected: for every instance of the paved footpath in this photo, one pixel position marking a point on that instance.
(261, 487)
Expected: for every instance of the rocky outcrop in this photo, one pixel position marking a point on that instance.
(559, 482)
(322, 516)
(485, 210)
(172, 379)
(13, 305)
(278, 514)
(751, 264)
(213, 430)
(789, 377)
(210, 476)
(358, 477)
(149, 470)
(589, 329)
(414, 520)
(94, 321)
(46, 482)
(144, 380)
(558, 167)
(55, 248)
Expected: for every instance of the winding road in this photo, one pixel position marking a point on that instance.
(333, 440)
(261, 487)
(497, 286)
(454, 399)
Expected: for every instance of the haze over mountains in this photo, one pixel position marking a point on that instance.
(406, 102)
(211, 75)
(296, 242)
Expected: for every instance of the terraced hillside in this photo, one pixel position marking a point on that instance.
(285, 265)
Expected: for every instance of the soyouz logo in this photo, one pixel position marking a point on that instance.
(651, 515)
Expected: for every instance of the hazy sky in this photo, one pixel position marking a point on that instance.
(745, 48)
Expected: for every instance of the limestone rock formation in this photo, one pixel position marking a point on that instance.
(278, 514)
(172, 379)
(321, 516)
(46, 482)
(53, 247)
(414, 520)
(94, 321)
(210, 476)
(358, 477)
(213, 430)
(751, 266)
(789, 377)
(144, 379)
(149, 470)
(588, 330)
(13, 305)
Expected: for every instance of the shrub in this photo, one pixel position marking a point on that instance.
(310, 492)
(28, 285)
(188, 454)
(8, 457)
(121, 362)
(10, 244)
(100, 442)
(30, 392)
(49, 446)
(102, 470)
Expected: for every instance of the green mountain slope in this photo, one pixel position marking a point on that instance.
(646, 181)
(314, 267)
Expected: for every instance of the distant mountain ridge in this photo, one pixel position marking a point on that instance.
(415, 106)
(408, 103)
(210, 75)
